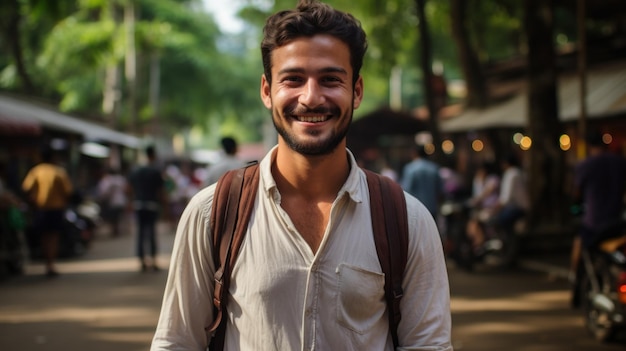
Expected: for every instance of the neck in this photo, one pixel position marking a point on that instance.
(314, 177)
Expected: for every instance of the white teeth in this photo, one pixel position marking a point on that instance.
(312, 119)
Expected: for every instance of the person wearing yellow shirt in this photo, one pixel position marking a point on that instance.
(48, 188)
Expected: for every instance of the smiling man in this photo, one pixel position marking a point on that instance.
(307, 276)
(313, 94)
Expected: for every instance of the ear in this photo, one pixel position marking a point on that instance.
(357, 95)
(266, 92)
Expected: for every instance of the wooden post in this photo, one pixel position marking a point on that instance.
(582, 73)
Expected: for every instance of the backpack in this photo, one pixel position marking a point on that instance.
(233, 202)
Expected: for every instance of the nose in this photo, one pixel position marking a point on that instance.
(312, 94)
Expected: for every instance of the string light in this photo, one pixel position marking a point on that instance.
(447, 146)
(565, 142)
(477, 145)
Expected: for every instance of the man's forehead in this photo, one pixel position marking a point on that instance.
(322, 53)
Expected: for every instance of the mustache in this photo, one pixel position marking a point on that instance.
(322, 110)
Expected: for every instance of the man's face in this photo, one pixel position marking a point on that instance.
(311, 96)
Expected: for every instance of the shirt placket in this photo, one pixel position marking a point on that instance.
(311, 311)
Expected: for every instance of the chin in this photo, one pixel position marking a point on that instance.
(316, 147)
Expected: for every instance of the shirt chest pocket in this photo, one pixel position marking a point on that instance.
(360, 298)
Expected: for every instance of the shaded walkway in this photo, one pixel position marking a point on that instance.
(100, 302)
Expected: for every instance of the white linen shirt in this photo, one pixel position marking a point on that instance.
(513, 189)
(282, 296)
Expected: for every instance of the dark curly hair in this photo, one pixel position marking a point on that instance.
(311, 18)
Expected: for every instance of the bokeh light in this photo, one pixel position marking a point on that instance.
(447, 146)
(477, 145)
(607, 138)
(429, 149)
(517, 138)
(525, 143)
(565, 142)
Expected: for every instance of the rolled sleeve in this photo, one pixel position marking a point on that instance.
(425, 305)
(187, 307)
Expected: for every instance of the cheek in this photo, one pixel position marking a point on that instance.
(284, 100)
(278, 98)
(282, 93)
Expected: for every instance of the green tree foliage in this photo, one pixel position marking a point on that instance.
(24, 26)
(62, 50)
(66, 46)
(202, 82)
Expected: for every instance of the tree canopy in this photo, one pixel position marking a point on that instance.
(80, 54)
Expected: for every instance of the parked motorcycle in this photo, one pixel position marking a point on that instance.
(457, 245)
(500, 248)
(602, 284)
(88, 214)
(82, 217)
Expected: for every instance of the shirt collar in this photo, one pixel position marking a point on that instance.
(353, 185)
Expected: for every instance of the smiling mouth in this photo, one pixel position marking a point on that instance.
(312, 119)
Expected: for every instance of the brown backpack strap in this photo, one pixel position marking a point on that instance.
(391, 233)
(233, 202)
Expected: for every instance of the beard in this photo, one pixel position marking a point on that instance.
(318, 147)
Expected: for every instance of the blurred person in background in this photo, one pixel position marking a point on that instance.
(48, 189)
(227, 162)
(600, 186)
(147, 190)
(176, 187)
(513, 201)
(421, 179)
(484, 200)
(387, 171)
(113, 196)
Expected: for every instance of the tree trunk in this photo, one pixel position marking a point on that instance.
(131, 64)
(547, 165)
(154, 92)
(428, 78)
(13, 36)
(470, 65)
(111, 94)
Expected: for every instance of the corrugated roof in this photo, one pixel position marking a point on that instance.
(21, 110)
(606, 96)
(14, 126)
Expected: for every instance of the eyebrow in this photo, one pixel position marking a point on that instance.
(323, 70)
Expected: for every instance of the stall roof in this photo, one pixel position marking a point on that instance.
(14, 126)
(20, 110)
(606, 96)
(386, 121)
